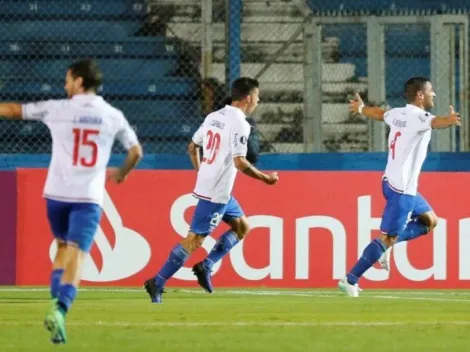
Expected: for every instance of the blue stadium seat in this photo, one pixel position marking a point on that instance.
(145, 130)
(399, 39)
(378, 6)
(396, 102)
(168, 87)
(154, 47)
(165, 87)
(74, 8)
(442, 5)
(410, 40)
(11, 130)
(155, 129)
(347, 5)
(360, 64)
(68, 30)
(399, 70)
(113, 69)
(175, 147)
(352, 38)
(158, 110)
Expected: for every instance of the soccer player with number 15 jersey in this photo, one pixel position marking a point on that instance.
(83, 129)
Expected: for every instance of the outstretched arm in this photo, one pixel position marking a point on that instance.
(356, 106)
(11, 111)
(440, 122)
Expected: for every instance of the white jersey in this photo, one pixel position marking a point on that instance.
(410, 133)
(223, 136)
(83, 130)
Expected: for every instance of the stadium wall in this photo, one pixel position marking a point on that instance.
(300, 162)
(307, 230)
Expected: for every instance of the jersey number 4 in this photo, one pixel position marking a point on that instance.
(212, 146)
(392, 145)
(82, 138)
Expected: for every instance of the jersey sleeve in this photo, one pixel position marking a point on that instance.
(388, 117)
(239, 139)
(126, 135)
(423, 122)
(198, 136)
(40, 110)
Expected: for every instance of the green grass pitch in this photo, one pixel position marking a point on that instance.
(241, 320)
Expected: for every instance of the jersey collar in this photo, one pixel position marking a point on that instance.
(86, 97)
(414, 107)
(237, 110)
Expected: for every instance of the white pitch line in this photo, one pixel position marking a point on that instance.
(244, 291)
(245, 323)
(324, 294)
(390, 295)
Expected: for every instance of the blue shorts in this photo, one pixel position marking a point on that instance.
(74, 222)
(208, 215)
(400, 208)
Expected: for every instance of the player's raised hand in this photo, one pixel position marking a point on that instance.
(271, 179)
(115, 175)
(454, 116)
(356, 104)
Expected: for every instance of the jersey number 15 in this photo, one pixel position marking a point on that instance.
(82, 138)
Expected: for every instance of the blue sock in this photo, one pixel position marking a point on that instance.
(175, 261)
(67, 294)
(370, 255)
(56, 275)
(413, 230)
(223, 245)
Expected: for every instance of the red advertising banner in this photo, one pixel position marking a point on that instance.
(307, 231)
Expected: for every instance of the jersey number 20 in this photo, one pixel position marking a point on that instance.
(212, 146)
(82, 139)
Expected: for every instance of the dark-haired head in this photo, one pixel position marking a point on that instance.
(245, 94)
(83, 76)
(419, 92)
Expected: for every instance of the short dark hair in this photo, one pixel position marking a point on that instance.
(223, 102)
(242, 87)
(413, 86)
(89, 71)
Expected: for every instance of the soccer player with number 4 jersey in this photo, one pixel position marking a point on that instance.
(83, 129)
(223, 136)
(407, 215)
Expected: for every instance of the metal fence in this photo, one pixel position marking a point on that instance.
(167, 63)
(377, 56)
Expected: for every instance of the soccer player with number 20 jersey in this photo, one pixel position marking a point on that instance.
(223, 136)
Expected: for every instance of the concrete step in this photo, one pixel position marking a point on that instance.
(288, 112)
(263, 52)
(288, 72)
(330, 130)
(251, 32)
